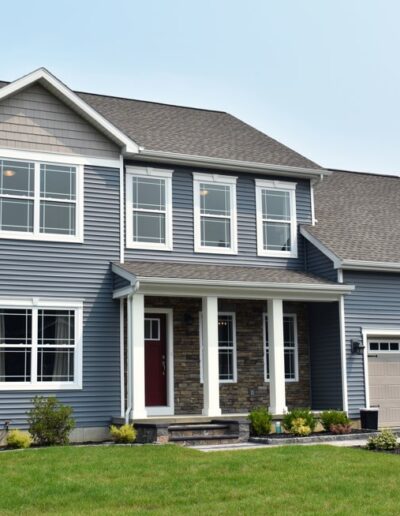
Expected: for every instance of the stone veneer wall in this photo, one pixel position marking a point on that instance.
(250, 389)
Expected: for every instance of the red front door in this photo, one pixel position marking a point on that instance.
(155, 335)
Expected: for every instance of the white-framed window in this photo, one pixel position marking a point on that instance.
(215, 218)
(41, 200)
(384, 344)
(290, 342)
(276, 218)
(148, 208)
(226, 347)
(40, 344)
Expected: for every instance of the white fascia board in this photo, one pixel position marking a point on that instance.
(361, 265)
(60, 90)
(230, 164)
(337, 262)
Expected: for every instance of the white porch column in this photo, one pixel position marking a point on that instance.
(137, 357)
(277, 391)
(210, 357)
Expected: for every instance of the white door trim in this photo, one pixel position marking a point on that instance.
(169, 409)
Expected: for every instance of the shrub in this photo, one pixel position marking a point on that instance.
(50, 422)
(340, 429)
(386, 440)
(18, 439)
(305, 414)
(123, 434)
(260, 421)
(300, 427)
(333, 417)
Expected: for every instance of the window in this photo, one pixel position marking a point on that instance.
(226, 345)
(41, 201)
(276, 218)
(290, 347)
(151, 329)
(40, 347)
(214, 213)
(384, 344)
(149, 208)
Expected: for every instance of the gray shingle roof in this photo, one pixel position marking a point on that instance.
(198, 132)
(174, 270)
(359, 216)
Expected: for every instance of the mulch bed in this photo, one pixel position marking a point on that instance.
(354, 431)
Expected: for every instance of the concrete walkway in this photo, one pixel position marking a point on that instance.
(254, 446)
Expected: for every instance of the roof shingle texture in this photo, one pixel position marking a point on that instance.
(256, 275)
(197, 132)
(359, 216)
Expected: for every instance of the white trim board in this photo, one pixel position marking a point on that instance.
(60, 90)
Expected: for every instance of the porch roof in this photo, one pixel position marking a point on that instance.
(267, 279)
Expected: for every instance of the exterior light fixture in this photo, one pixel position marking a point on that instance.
(9, 173)
(357, 347)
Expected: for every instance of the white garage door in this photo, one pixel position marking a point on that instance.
(384, 379)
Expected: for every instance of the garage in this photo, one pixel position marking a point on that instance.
(384, 378)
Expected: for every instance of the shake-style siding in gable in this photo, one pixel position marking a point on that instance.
(76, 271)
(34, 119)
(183, 224)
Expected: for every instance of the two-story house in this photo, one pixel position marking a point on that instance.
(160, 261)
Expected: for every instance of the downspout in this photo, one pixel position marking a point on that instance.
(135, 288)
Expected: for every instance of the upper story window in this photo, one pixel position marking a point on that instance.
(41, 201)
(40, 345)
(214, 214)
(149, 208)
(276, 218)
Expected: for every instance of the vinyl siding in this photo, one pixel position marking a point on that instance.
(326, 380)
(76, 271)
(317, 263)
(375, 303)
(34, 119)
(183, 228)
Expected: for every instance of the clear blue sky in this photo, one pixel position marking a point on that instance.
(322, 76)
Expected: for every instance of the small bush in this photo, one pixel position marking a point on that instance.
(50, 422)
(333, 417)
(18, 439)
(340, 429)
(386, 440)
(260, 421)
(300, 427)
(305, 414)
(123, 434)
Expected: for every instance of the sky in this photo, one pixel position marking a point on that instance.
(321, 76)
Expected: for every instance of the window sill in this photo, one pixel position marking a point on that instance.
(215, 250)
(286, 381)
(148, 247)
(16, 235)
(278, 254)
(44, 386)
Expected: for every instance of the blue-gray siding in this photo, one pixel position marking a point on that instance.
(318, 263)
(34, 119)
(375, 303)
(183, 234)
(76, 271)
(326, 380)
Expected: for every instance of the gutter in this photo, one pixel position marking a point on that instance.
(227, 164)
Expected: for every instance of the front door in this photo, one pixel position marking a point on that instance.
(155, 336)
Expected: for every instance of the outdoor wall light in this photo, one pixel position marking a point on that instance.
(357, 347)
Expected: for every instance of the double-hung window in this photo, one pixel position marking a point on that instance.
(214, 213)
(40, 345)
(41, 201)
(276, 218)
(226, 347)
(149, 208)
(290, 343)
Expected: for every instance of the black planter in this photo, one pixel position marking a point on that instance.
(369, 419)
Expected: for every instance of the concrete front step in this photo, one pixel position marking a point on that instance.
(198, 440)
(198, 430)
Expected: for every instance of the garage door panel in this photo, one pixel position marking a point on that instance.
(384, 387)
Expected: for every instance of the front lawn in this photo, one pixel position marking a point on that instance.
(173, 480)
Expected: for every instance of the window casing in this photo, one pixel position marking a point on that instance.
(41, 201)
(276, 218)
(215, 220)
(226, 347)
(148, 208)
(290, 342)
(40, 345)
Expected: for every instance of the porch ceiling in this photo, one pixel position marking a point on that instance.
(156, 277)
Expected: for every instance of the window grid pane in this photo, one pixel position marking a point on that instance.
(57, 218)
(215, 232)
(16, 215)
(16, 178)
(276, 220)
(289, 347)
(215, 215)
(149, 227)
(149, 203)
(215, 199)
(148, 194)
(276, 236)
(57, 182)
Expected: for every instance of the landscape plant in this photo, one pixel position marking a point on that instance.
(19, 439)
(385, 440)
(50, 421)
(334, 417)
(260, 421)
(123, 434)
(303, 413)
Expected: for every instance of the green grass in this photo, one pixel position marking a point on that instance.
(173, 480)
